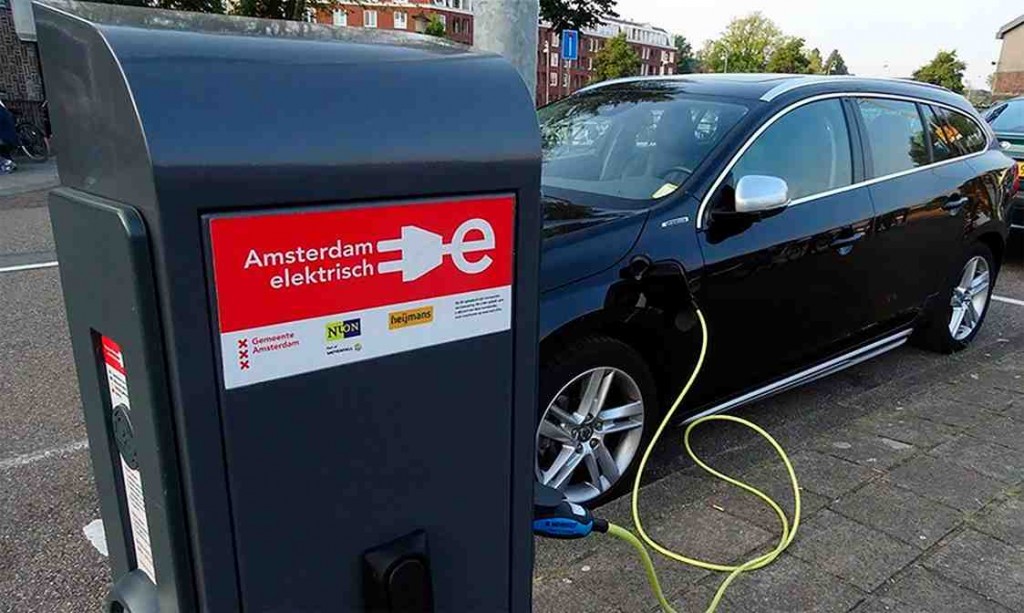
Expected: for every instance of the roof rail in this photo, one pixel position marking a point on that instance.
(789, 86)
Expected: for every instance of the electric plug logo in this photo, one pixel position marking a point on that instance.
(423, 251)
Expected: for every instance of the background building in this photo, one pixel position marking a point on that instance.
(21, 82)
(411, 15)
(557, 78)
(1009, 79)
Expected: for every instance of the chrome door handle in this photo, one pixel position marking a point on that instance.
(846, 241)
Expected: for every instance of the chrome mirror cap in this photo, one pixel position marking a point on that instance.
(757, 193)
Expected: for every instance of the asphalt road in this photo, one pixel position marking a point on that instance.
(46, 492)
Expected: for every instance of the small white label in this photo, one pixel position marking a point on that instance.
(117, 383)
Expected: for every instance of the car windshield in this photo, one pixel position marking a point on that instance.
(1010, 118)
(635, 142)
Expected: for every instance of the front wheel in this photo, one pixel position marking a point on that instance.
(597, 412)
(33, 142)
(957, 317)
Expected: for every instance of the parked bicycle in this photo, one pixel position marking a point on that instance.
(32, 141)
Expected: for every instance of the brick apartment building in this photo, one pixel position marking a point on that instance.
(21, 82)
(411, 15)
(557, 78)
(1009, 79)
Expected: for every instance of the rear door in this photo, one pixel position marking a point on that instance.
(779, 289)
(919, 203)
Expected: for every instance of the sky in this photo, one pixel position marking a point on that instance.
(875, 37)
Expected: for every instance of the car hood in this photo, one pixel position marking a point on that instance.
(582, 239)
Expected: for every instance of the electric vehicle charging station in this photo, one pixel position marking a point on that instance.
(291, 293)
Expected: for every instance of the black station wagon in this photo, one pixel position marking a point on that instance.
(816, 221)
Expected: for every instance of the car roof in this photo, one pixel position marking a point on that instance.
(769, 87)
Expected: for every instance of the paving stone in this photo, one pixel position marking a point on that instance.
(899, 513)
(1004, 521)
(898, 425)
(827, 475)
(861, 555)
(1003, 430)
(663, 496)
(864, 448)
(922, 590)
(982, 394)
(986, 458)
(611, 579)
(696, 600)
(983, 564)
(773, 480)
(790, 584)
(879, 604)
(942, 409)
(945, 482)
(702, 532)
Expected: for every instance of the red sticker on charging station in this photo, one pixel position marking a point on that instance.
(305, 290)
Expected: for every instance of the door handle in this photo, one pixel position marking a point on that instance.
(845, 243)
(954, 204)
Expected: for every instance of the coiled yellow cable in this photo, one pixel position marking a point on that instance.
(788, 532)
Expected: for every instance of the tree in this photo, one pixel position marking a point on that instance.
(815, 65)
(575, 14)
(196, 6)
(616, 59)
(835, 64)
(686, 61)
(789, 58)
(294, 10)
(744, 46)
(434, 27)
(945, 69)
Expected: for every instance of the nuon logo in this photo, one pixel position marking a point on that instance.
(423, 251)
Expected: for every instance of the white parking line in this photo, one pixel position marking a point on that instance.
(1008, 300)
(32, 458)
(29, 266)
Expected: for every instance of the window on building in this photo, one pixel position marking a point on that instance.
(554, 60)
(894, 133)
(401, 20)
(309, 16)
(554, 39)
(590, 63)
(808, 147)
(565, 79)
(369, 19)
(339, 17)
(553, 78)
(646, 53)
(442, 19)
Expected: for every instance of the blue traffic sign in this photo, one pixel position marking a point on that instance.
(570, 44)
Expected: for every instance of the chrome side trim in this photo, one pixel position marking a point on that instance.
(1016, 226)
(702, 210)
(813, 373)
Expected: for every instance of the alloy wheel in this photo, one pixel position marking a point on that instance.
(589, 433)
(970, 298)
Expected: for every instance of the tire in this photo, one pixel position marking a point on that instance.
(33, 142)
(597, 449)
(936, 331)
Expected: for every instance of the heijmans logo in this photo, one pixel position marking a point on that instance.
(339, 330)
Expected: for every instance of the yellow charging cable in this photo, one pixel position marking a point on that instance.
(788, 532)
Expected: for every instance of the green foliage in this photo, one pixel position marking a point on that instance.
(196, 6)
(294, 10)
(434, 27)
(946, 70)
(686, 60)
(835, 63)
(616, 59)
(575, 14)
(815, 65)
(745, 45)
(789, 58)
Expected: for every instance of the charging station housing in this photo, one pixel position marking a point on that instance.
(300, 270)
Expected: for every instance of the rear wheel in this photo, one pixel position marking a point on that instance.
(960, 311)
(597, 412)
(33, 142)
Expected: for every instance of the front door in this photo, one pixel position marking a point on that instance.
(779, 291)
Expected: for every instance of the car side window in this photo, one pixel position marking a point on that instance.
(938, 131)
(808, 147)
(964, 133)
(1008, 118)
(894, 134)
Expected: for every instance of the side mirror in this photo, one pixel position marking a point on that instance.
(760, 193)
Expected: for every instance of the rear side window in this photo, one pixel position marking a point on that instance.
(895, 134)
(939, 132)
(964, 133)
(1008, 118)
(808, 147)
